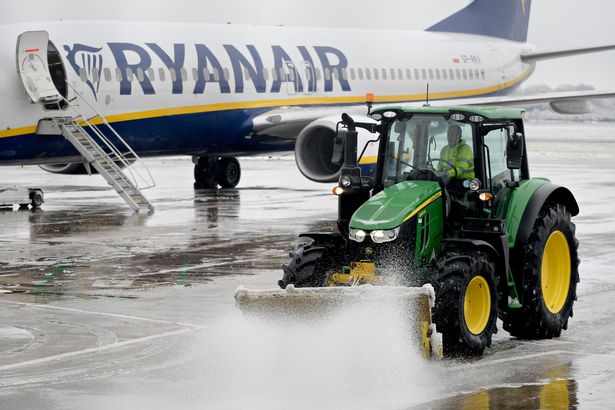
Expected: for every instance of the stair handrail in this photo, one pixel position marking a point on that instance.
(128, 162)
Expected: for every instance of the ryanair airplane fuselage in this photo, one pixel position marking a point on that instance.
(195, 89)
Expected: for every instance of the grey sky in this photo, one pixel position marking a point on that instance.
(553, 23)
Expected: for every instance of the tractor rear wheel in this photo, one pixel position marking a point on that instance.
(307, 266)
(550, 278)
(466, 310)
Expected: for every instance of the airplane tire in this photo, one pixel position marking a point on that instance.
(228, 172)
(204, 173)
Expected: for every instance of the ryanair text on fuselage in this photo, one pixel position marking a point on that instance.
(246, 64)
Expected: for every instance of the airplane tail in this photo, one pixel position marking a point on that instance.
(507, 19)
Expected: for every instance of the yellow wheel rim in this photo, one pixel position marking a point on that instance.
(555, 272)
(477, 305)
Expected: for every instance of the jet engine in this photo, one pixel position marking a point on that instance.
(76, 168)
(314, 148)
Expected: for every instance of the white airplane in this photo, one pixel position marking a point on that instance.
(216, 92)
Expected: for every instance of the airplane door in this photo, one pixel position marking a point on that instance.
(501, 72)
(309, 79)
(33, 68)
(291, 80)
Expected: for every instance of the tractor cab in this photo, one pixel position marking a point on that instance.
(464, 149)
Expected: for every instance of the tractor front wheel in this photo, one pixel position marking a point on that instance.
(466, 302)
(549, 279)
(307, 266)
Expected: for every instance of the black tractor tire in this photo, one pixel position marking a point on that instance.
(466, 306)
(544, 315)
(228, 172)
(307, 266)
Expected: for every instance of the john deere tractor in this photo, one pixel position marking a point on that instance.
(492, 241)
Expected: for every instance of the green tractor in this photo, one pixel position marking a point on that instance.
(459, 213)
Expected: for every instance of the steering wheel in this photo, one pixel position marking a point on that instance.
(448, 165)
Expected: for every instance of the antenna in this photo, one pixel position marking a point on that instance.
(427, 97)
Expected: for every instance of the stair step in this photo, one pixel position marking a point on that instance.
(105, 159)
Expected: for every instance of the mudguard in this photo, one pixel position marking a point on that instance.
(545, 193)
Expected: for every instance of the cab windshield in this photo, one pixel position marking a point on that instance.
(428, 142)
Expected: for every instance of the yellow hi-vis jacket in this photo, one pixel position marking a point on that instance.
(461, 157)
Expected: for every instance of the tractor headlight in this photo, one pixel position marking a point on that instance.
(380, 236)
(357, 235)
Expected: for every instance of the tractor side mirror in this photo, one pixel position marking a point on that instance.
(339, 141)
(514, 148)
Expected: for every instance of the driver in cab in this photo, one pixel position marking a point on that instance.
(458, 154)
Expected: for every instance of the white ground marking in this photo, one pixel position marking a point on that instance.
(92, 349)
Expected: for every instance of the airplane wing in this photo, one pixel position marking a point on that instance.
(555, 97)
(287, 122)
(546, 55)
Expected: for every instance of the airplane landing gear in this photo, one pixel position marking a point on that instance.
(209, 172)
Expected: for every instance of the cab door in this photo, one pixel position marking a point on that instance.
(33, 68)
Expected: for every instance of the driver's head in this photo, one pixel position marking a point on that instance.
(454, 135)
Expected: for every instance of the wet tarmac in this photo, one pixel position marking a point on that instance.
(103, 308)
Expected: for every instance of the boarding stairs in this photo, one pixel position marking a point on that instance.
(107, 152)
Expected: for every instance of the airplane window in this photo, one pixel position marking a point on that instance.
(107, 74)
(173, 74)
(334, 74)
(430, 74)
(360, 72)
(161, 74)
(266, 74)
(368, 74)
(291, 76)
(227, 75)
(444, 74)
(129, 74)
(416, 73)
(471, 74)
(195, 74)
(95, 75)
(352, 74)
(184, 74)
(327, 74)
(482, 74)
(465, 74)
(274, 74)
(282, 74)
(408, 76)
(151, 74)
(384, 73)
(400, 74)
(457, 74)
(344, 74)
(118, 74)
(317, 70)
(216, 74)
(437, 73)
(392, 72)
(140, 74)
(476, 74)
(376, 74)
(82, 74)
(423, 74)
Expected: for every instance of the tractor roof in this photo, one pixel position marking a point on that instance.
(488, 112)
